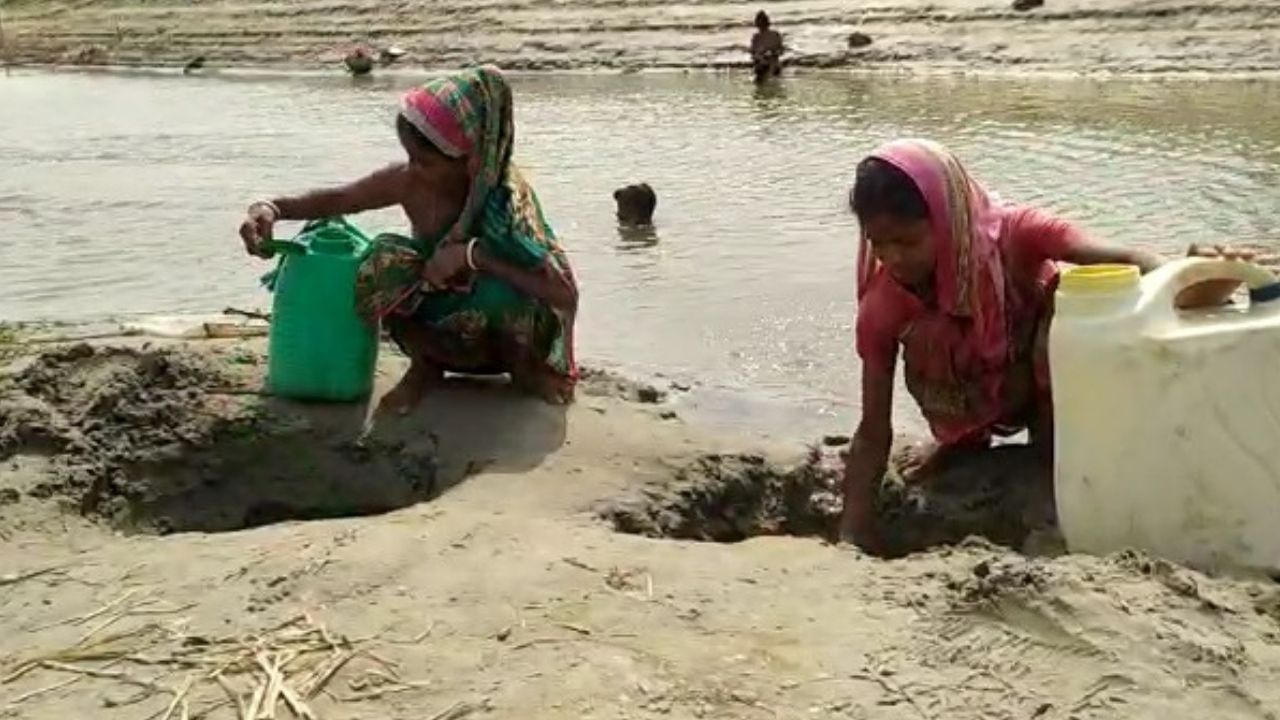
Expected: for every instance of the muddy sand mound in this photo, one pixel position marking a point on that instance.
(163, 439)
(1004, 496)
(505, 600)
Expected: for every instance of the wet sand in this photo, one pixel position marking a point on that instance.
(1154, 37)
(502, 586)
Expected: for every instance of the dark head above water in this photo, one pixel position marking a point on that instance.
(762, 20)
(636, 204)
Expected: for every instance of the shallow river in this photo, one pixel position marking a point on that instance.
(120, 194)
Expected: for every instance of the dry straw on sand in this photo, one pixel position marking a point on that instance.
(258, 674)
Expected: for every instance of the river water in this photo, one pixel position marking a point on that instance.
(120, 194)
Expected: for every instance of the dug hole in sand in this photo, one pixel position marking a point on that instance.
(493, 556)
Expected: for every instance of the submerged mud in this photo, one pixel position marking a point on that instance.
(1004, 495)
(162, 440)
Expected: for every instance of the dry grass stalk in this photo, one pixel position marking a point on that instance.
(211, 709)
(232, 695)
(103, 610)
(179, 699)
(255, 703)
(15, 578)
(288, 664)
(313, 688)
(44, 690)
(391, 667)
(296, 704)
(574, 628)
(106, 675)
(456, 711)
(274, 681)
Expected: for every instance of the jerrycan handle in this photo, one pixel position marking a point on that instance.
(334, 236)
(285, 247)
(1170, 280)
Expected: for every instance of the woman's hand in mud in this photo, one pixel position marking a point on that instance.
(858, 526)
(256, 230)
(448, 261)
(857, 518)
(915, 462)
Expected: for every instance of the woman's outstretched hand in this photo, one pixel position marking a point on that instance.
(257, 228)
(1243, 253)
(1219, 292)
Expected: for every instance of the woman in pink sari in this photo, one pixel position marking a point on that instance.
(959, 286)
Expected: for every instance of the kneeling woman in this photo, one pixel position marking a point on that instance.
(482, 286)
(960, 286)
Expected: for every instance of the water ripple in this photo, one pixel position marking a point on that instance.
(748, 278)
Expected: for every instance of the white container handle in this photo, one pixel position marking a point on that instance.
(1179, 275)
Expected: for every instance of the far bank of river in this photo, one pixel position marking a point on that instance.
(1157, 37)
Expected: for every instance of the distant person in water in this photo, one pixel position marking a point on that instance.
(636, 205)
(766, 49)
(959, 287)
(481, 286)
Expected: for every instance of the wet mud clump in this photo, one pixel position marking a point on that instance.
(1004, 495)
(994, 578)
(161, 440)
(602, 383)
(729, 498)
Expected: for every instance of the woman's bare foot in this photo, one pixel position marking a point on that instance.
(408, 393)
(545, 385)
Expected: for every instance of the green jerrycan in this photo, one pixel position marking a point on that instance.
(319, 348)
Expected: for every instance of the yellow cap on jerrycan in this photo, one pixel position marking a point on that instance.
(1100, 279)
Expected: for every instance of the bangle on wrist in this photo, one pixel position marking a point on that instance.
(471, 254)
(275, 209)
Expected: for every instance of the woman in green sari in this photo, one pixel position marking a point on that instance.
(481, 286)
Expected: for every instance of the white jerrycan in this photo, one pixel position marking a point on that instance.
(1167, 422)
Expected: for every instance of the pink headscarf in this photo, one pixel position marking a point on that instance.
(967, 224)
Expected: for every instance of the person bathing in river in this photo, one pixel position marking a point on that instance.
(766, 49)
(482, 286)
(959, 286)
(636, 204)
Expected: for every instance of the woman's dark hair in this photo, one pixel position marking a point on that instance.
(883, 189)
(406, 129)
(762, 19)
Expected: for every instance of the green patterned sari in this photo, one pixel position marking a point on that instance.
(489, 326)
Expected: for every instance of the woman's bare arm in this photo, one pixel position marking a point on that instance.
(1092, 252)
(379, 189)
(868, 455)
(1206, 294)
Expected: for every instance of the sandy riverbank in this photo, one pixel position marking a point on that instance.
(502, 587)
(1072, 36)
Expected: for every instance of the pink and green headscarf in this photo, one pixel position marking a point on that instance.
(967, 225)
(468, 115)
